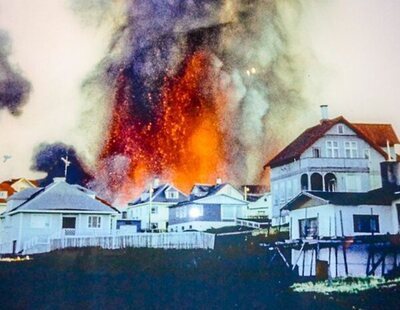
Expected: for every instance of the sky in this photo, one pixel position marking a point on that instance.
(355, 44)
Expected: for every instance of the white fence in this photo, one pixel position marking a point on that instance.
(185, 240)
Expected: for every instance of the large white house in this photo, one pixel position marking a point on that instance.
(151, 207)
(334, 155)
(57, 210)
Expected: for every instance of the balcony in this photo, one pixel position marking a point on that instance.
(334, 164)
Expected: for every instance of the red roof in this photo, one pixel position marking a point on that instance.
(6, 187)
(373, 134)
(379, 133)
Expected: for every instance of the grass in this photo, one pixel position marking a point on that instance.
(350, 285)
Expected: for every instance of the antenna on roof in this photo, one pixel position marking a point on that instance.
(66, 163)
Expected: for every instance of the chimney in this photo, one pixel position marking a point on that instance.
(324, 112)
(218, 181)
(390, 173)
(156, 182)
(59, 179)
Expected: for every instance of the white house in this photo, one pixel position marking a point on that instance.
(151, 207)
(57, 210)
(210, 206)
(259, 201)
(334, 155)
(336, 219)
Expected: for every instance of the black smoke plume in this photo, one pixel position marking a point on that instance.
(14, 88)
(47, 158)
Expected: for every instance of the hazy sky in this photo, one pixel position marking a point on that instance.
(356, 44)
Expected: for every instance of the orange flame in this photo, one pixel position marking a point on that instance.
(182, 144)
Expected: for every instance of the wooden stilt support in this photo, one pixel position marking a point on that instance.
(346, 268)
(304, 263)
(336, 261)
(311, 261)
(298, 257)
(283, 257)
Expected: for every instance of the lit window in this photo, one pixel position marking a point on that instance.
(350, 148)
(332, 149)
(94, 221)
(196, 211)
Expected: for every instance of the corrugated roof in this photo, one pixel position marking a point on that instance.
(59, 196)
(294, 150)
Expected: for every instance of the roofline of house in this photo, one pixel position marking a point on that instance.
(59, 211)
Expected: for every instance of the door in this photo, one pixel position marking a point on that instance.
(69, 225)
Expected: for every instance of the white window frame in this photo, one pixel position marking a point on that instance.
(332, 149)
(351, 149)
(94, 221)
(172, 194)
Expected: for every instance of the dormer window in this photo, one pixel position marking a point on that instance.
(172, 194)
(340, 129)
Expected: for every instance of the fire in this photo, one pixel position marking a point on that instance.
(181, 141)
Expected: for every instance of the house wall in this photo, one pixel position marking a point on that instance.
(211, 213)
(329, 219)
(358, 174)
(20, 227)
(143, 213)
(261, 207)
(199, 225)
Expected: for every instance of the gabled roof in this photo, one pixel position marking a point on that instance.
(59, 196)
(228, 200)
(205, 190)
(380, 197)
(294, 150)
(32, 183)
(159, 195)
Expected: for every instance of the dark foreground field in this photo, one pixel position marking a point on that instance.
(165, 279)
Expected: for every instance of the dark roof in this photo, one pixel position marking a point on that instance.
(253, 198)
(205, 190)
(294, 150)
(375, 197)
(159, 195)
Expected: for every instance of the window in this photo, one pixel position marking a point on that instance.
(308, 228)
(228, 212)
(40, 221)
(316, 152)
(196, 211)
(304, 182)
(332, 149)
(172, 194)
(181, 212)
(350, 149)
(340, 129)
(3, 194)
(94, 222)
(366, 223)
(154, 210)
(366, 154)
(68, 222)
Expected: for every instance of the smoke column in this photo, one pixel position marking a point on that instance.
(193, 90)
(14, 88)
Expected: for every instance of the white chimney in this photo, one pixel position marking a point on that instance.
(156, 182)
(324, 112)
(218, 181)
(59, 179)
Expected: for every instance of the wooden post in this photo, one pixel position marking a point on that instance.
(304, 262)
(311, 262)
(345, 259)
(336, 260)
(341, 222)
